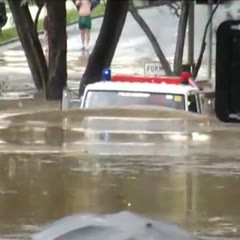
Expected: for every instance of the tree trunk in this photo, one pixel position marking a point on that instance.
(104, 49)
(203, 45)
(57, 42)
(182, 26)
(37, 16)
(30, 42)
(153, 40)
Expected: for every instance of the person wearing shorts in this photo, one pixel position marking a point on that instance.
(85, 21)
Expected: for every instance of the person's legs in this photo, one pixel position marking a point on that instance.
(83, 33)
(82, 27)
(88, 30)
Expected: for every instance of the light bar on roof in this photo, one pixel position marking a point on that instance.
(183, 79)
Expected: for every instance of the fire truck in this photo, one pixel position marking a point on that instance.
(179, 93)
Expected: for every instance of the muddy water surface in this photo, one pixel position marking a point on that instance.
(167, 165)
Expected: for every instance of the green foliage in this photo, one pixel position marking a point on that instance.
(72, 16)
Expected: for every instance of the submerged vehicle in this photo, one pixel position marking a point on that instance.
(180, 93)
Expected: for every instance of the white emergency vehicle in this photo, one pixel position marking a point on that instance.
(179, 93)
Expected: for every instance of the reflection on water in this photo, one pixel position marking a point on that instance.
(36, 189)
(55, 164)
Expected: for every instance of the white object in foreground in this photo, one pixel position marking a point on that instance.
(117, 226)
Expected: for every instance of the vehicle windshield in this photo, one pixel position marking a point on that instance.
(98, 99)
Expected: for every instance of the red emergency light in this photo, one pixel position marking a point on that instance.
(184, 79)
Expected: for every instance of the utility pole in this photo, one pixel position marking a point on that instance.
(210, 34)
(191, 28)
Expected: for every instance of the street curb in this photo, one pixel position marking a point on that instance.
(13, 40)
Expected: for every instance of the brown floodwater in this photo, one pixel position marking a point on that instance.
(164, 164)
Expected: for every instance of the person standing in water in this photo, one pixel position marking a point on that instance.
(85, 21)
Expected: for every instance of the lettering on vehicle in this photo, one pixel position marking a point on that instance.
(153, 69)
(133, 94)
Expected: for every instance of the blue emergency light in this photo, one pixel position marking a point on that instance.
(106, 74)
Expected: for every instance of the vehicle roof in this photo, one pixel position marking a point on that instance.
(141, 87)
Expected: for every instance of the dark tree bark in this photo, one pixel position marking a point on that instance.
(104, 49)
(182, 26)
(40, 5)
(153, 40)
(203, 46)
(57, 42)
(30, 42)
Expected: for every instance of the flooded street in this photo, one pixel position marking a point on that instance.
(166, 165)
